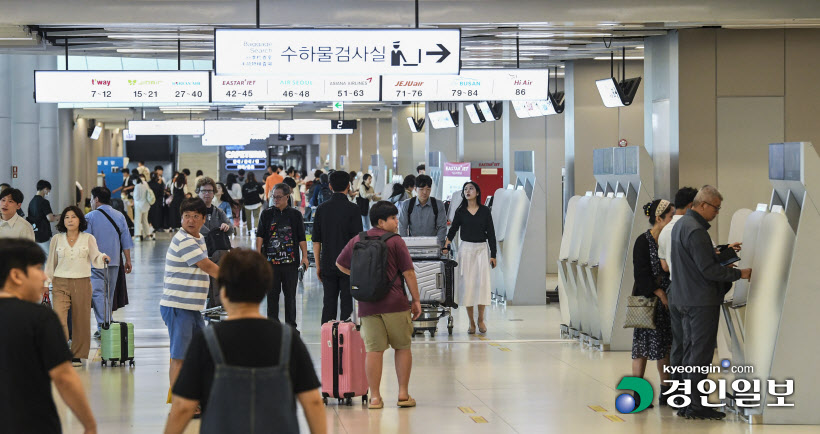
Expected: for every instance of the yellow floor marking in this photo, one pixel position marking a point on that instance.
(494, 345)
(483, 338)
(97, 356)
(466, 410)
(478, 419)
(613, 418)
(505, 349)
(597, 408)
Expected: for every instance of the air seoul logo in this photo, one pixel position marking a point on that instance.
(625, 402)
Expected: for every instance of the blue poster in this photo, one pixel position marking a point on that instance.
(111, 167)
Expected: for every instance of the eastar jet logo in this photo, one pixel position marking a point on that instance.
(409, 83)
(100, 82)
(238, 82)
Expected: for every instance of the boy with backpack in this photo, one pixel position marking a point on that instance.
(379, 264)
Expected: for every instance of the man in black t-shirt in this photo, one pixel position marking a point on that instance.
(279, 237)
(33, 350)
(40, 215)
(247, 340)
(334, 224)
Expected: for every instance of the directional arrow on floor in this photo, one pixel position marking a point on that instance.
(443, 53)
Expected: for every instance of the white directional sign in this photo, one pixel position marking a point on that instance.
(470, 85)
(293, 87)
(146, 87)
(337, 51)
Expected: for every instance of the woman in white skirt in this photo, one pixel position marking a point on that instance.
(474, 259)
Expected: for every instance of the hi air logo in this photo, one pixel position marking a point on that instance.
(522, 83)
(625, 402)
(100, 82)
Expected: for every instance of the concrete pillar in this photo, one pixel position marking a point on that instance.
(569, 134)
(49, 152)
(662, 102)
(5, 120)
(334, 160)
(25, 126)
(64, 187)
(506, 157)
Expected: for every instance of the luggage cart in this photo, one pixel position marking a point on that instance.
(436, 280)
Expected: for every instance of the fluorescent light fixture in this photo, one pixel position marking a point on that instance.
(96, 133)
(490, 113)
(513, 48)
(415, 125)
(473, 114)
(443, 119)
(520, 109)
(163, 36)
(627, 58)
(615, 94)
(310, 126)
(163, 50)
(166, 128)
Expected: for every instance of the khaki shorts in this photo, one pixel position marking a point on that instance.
(385, 330)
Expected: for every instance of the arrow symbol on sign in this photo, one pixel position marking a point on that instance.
(443, 53)
(338, 105)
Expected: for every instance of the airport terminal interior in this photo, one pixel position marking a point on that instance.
(568, 117)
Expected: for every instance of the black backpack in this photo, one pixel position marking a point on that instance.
(412, 204)
(368, 268)
(324, 195)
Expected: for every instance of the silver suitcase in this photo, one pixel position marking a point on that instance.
(423, 247)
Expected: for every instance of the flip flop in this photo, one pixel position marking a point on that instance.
(378, 406)
(471, 331)
(410, 402)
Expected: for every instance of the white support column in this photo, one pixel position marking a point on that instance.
(506, 157)
(25, 126)
(48, 130)
(462, 120)
(5, 120)
(64, 186)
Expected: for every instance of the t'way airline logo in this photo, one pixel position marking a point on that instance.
(100, 82)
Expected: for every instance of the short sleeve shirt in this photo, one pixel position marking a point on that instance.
(31, 344)
(665, 242)
(185, 285)
(281, 233)
(38, 210)
(398, 262)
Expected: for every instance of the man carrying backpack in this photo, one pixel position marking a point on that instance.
(423, 216)
(322, 191)
(381, 264)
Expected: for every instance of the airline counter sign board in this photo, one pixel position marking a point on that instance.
(454, 177)
(145, 87)
(337, 51)
(261, 89)
(470, 85)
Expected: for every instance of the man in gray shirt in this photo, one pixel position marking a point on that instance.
(423, 216)
(697, 292)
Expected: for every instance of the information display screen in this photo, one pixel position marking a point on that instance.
(144, 87)
(470, 85)
(247, 160)
(294, 87)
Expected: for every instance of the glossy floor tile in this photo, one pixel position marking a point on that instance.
(519, 378)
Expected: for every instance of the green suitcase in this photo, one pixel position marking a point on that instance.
(116, 338)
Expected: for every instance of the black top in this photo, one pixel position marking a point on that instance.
(647, 271)
(476, 228)
(31, 344)
(699, 279)
(281, 233)
(251, 343)
(335, 222)
(38, 210)
(251, 192)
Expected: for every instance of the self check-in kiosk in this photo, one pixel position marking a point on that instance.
(435, 169)
(381, 180)
(772, 318)
(595, 259)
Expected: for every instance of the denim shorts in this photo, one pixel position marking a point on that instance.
(182, 324)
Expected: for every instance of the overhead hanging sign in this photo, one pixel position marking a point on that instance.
(337, 51)
(293, 87)
(146, 87)
(470, 85)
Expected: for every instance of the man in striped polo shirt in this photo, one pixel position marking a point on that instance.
(185, 290)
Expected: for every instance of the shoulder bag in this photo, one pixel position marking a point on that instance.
(640, 312)
(120, 289)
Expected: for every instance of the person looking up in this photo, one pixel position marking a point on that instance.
(280, 238)
(72, 254)
(33, 348)
(12, 225)
(335, 222)
(40, 214)
(477, 233)
(226, 357)
(423, 216)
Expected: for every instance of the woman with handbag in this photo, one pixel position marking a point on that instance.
(651, 282)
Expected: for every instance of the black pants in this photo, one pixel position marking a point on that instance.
(337, 286)
(700, 327)
(285, 280)
(676, 354)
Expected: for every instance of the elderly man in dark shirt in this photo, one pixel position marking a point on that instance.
(697, 291)
(336, 222)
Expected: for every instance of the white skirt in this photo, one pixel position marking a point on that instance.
(474, 284)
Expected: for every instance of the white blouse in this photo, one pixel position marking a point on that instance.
(73, 262)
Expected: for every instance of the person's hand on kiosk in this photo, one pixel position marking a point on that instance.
(415, 309)
(746, 273)
(492, 262)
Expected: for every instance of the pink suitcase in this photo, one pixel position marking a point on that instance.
(343, 355)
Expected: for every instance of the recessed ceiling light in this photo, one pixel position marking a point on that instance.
(163, 50)
(619, 58)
